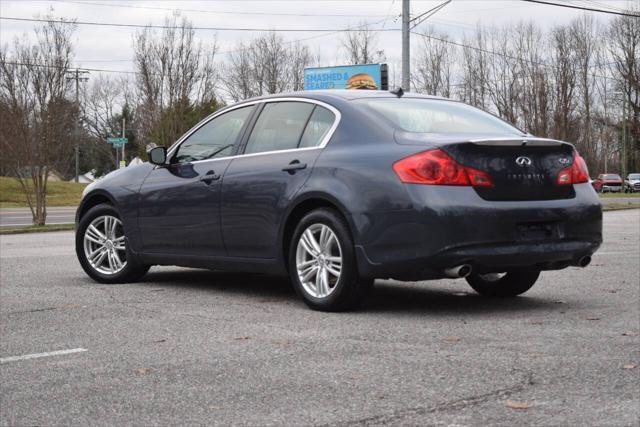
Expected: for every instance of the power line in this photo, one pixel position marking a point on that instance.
(492, 52)
(30, 64)
(174, 27)
(332, 15)
(601, 5)
(590, 9)
(424, 16)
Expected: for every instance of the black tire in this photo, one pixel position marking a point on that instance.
(512, 284)
(132, 271)
(349, 290)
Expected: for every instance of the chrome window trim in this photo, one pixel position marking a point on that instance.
(323, 143)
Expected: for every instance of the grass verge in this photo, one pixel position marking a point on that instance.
(619, 195)
(59, 193)
(619, 206)
(36, 228)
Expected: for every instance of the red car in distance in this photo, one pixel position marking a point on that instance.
(607, 182)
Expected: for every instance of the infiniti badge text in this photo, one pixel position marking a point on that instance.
(525, 176)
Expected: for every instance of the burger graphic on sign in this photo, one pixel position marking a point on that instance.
(361, 81)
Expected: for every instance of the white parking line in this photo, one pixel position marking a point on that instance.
(37, 355)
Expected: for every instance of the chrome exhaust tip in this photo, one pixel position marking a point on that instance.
(462, 270)
(584, 261)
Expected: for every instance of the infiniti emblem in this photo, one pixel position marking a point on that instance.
(523, 161)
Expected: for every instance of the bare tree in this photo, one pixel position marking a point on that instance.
(534, 100)
(174, 75)
(624, 45)
(475, 71)
(564, 84)
(265, 65)
(503, 77)
(435, 64)
(585, 35)
(361, 46)
(37, 120)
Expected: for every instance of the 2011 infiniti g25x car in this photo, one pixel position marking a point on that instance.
(338, 188)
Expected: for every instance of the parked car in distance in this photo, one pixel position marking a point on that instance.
(632, 183)
(338, 188)
(607, 182)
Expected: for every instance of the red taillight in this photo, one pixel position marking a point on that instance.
(577, 173)
(436, 167)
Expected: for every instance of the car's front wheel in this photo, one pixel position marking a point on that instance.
(509, 284)
(102, 249)
(322, 263)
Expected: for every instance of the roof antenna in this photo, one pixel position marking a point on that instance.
(397, 92)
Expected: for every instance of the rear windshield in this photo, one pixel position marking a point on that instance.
(612, 176)
(437, 116)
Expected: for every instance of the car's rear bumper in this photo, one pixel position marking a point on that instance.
(450, 226)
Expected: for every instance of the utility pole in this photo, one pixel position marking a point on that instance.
(406, 50)
(407, 25)
(624, 138)
(124, 121)
(77, 75)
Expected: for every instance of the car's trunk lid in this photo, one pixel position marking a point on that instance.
(521, 168)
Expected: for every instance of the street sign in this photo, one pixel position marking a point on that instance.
(368, 76)
(123, 164)
(117, 142)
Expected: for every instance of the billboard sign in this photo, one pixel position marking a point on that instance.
(368, 76)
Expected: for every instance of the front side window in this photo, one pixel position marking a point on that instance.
(279, 127)
(437, 116)
(215, 139)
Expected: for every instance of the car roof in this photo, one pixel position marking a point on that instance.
(342, 94)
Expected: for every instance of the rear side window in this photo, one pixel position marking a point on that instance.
(437, 116)
(214, 139)
(279, 127)
(319, 125)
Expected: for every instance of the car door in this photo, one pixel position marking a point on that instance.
(276, 160)
(179, 208)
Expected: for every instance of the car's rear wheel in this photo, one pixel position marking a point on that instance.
(101, 247)
(322, 263)
(509, 284)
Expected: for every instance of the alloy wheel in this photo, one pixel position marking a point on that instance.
(104, 245)
(318, 260)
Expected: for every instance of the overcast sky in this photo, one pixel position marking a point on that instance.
(111, 48)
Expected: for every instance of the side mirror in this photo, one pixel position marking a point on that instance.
(157, 156)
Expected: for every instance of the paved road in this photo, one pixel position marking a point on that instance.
(19, 217)
(198, 347)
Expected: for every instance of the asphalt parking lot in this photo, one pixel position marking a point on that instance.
(199, 347)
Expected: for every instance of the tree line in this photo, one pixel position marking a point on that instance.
(578, 82)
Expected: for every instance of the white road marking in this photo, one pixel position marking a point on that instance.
(37, 355)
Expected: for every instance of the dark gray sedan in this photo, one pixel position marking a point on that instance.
(338, 188)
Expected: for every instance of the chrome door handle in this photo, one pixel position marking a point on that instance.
(209, 177)
(294, 166)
